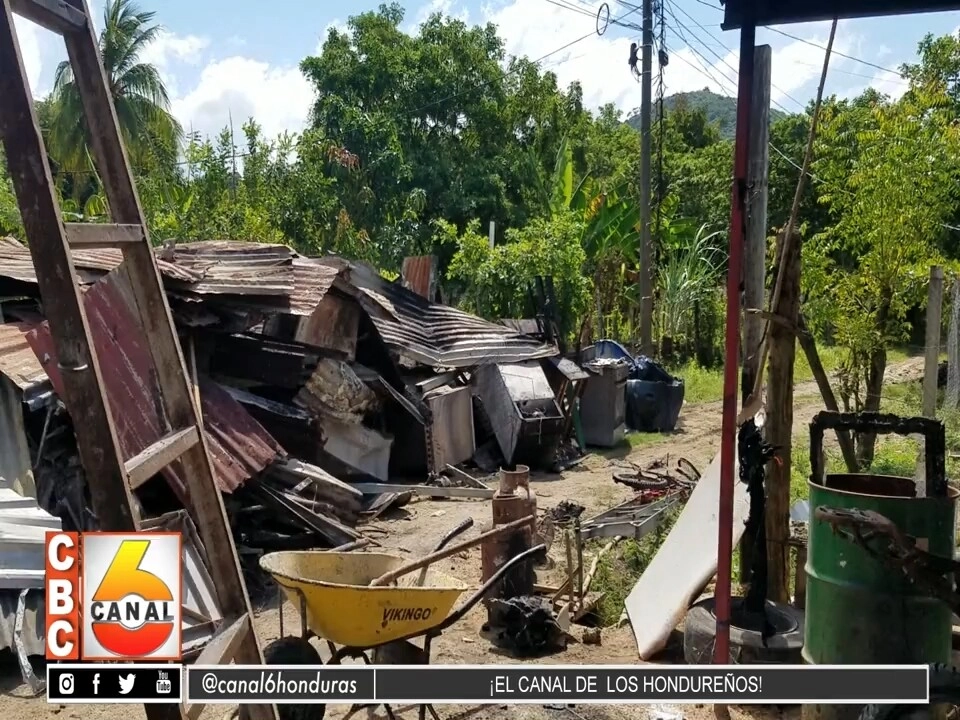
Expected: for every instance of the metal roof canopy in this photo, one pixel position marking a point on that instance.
(783, 12)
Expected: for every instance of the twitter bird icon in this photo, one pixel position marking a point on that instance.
(126, 683)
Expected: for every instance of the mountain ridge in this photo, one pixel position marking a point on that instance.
(720, 109)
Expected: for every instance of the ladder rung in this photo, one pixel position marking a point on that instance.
(54, 15)
(100, 235)
(154, 458)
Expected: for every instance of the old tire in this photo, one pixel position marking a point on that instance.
(746, 643)
(293, 650)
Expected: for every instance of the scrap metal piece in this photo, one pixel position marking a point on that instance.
(880, 538)
(529, 625)
(36, 685)
(632, 519)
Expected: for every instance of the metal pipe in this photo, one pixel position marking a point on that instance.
(731, 373)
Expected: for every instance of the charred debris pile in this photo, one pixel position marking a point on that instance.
(327, 393)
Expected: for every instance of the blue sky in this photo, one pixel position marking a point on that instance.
(240, 58)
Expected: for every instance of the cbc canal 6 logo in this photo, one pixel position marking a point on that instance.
(132, 597)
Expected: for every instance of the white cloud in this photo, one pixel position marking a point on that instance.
(169, 48)
(278, 98)
(444, 7)
(29, 37)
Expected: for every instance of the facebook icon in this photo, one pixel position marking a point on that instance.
(96, 683)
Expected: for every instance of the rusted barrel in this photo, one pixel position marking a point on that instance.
(860, 610)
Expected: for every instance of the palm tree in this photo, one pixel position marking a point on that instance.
(151, 134)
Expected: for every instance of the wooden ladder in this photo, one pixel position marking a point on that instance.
(112, 480)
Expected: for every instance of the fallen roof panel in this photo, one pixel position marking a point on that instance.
(235, 267)
(430, 333)
(239, 446)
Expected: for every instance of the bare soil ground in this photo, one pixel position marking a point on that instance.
(414, 529)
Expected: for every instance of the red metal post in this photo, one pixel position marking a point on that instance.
(731, 367)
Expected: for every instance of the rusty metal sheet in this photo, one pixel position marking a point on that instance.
(228, 267)
(312, 280)
(239, 446)
(418, 275)
(17, 264)
(17, 360)
(429, 333)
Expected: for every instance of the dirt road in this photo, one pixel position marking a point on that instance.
(413, 530)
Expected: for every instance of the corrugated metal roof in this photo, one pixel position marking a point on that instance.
(233, 267)
(17, 360)
(312, 280)
(429, 333)
(239, 446)
(16, 263)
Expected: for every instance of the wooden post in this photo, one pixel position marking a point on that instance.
(755, 247)
(778, 425)
(931, 358)
(951, 397)
(809, 346)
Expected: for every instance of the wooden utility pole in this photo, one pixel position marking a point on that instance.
(931, 359)
(755, 246)
(951, 397)
(646, 249)
(782, 344)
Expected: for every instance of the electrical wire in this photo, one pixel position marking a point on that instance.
(717, 40)
(836, 52)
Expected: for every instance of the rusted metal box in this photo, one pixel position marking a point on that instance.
(525, 416)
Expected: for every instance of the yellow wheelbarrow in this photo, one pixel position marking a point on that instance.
(361, 603)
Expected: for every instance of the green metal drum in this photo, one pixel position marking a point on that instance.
(859, 611)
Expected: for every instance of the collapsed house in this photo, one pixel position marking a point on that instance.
(314, 377)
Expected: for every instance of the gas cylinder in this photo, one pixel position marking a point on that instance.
(513, 500)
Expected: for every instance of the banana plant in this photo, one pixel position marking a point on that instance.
(610, 219)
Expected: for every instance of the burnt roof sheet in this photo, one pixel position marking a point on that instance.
(239, 446)
(429, 333)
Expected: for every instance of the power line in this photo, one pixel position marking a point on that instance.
(717, 55)
(510, 72)
(836, 52)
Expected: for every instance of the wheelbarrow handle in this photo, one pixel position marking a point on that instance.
(433, 557)
(461, 528)
(487, 587)
(932, 430)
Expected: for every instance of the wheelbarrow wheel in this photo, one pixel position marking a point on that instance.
(292, 650)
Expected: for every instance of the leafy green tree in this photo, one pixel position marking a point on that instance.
(151, 134)
(10, 223)
(889, 195)
(498, 279)
(440, 128)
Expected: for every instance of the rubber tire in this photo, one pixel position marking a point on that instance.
(292, 650)
(944, 688)
(746, 646)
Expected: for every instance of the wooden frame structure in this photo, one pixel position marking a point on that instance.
(747, 15)
(111, 479)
